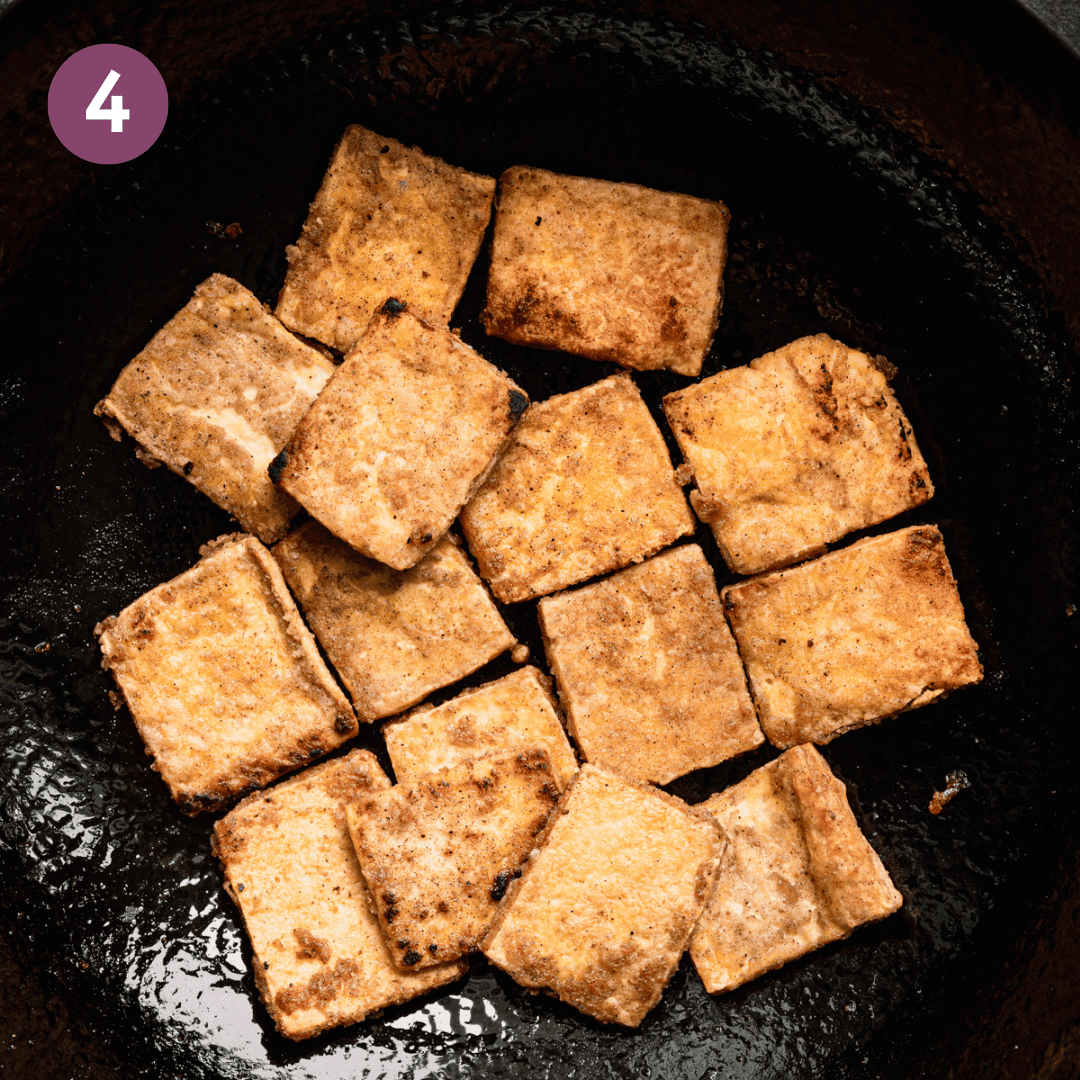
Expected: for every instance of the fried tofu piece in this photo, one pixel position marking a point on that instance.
(438, 853)
(585, 486)
(853, 637)
(215, 395)
(223, 679)
(798, 873)
(514, 712)
(609, 271)
(387, 221)
(606, 905)
(405, 431)
(394, 636)
(318, 954)
(648, 671)
(795, 450)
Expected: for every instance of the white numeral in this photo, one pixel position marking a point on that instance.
(116, 113)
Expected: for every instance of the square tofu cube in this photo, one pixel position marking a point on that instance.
(855, 636)
(387, 221)
(223, 679)
(798, 873)
(606, 906)
(585, 486)
(318, 954)
(795, 450)
(648, 671)
(608, 271)
(438, 854)
(215, 395)
(394, 636)
(512, 713)
(404, 432)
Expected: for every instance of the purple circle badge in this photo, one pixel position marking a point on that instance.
(108, 104)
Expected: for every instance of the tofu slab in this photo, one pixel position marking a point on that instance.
(853, 637)
(404, 432)
(439, 853)
(389, 220)
(795, 450)
(606, 905)
(608, 271)
(318, 954)
(798, 874)
(215, 395)
(648, 671)
(223, 679)
(585, 486)
(514, 712)
(394, 636)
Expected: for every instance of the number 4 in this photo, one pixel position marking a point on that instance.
(117, 113)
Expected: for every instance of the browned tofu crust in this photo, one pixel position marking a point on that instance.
(404, 432)
(215, 395)
(855, 636)
(606, 905)
(394, 636)
(318, 954)
(798, 874)
(609, 271)
(223, 679)
(648, 671)
(584, 486)
(387, 221)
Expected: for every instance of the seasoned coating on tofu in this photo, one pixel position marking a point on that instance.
(798, 873)
(585, 486)
(648, 671)
(439, 853)
(608, 271)
(406, 429)
(606, 905)
(387, 221)
(795, 450)
(853, 637)
(394, 636)
(318, 954)
(223, 679)
(511, 713)
(215, 395)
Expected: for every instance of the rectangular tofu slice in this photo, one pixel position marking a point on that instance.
(795, 450)
(215, 395)
(394, 636)
(853, 637)
(648, 671)
(438, 853)
(798, 873)
(223, 679)
(387, 221)
(585, 486)
(318, 954)
(608, 271)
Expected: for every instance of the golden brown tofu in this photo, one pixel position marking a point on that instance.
(798, 873)
(387, 221)
(855, 636)
(215, 395)
(648, 671)
(439, 853)
(795, 450)
(318, 954)
(394, 636)
(608, 271)
(511, 713)
(223, 679)
(585, 486)
(405, 431)
(606, 905)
